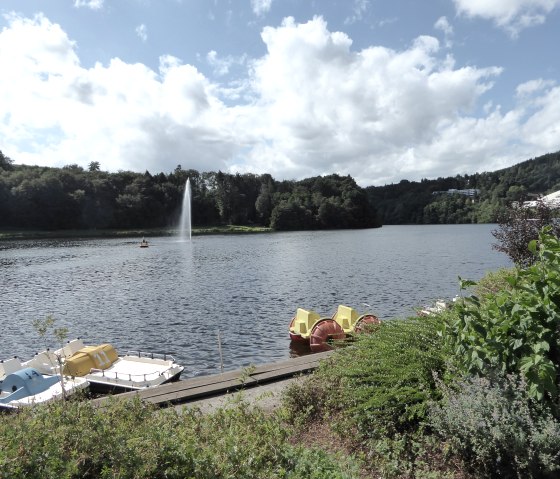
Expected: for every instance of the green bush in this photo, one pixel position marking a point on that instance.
(497, 429)
(493, 282)
(516, 330)
(379, 387)
(519, 226)
(132, 440)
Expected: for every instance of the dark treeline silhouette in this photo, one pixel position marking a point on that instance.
(33, 197)
(44, 198)
(431, 202)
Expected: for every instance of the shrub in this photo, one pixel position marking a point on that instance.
(380, 387)
(515, 331)
(518, 226)
(133, 440)
(497, 429)
(493, 282)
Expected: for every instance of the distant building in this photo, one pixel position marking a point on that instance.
(469, 192)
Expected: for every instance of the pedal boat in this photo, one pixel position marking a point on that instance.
(320, 333)
(108, 372)
(22, 386)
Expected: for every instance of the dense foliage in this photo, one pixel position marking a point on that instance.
(72, 198)
(132, 440)
(516, 331)
(519, 226)
(497, 429)
(430, 202)
(33, 197)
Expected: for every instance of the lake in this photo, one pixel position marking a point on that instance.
(175, 296)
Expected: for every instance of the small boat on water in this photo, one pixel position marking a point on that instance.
(106, 370)
(144, 243)
(22, 386)
(309, 327)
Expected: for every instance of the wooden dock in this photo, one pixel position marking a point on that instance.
(181, 392)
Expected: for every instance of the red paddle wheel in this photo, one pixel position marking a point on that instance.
(365, 320)
(324, 331)
(293, 336)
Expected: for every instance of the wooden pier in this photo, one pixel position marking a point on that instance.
(185, 391)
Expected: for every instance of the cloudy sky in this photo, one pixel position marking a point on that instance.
(379, 90)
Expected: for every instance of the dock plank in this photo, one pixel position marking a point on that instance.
(195, 388)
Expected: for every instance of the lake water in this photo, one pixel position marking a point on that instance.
(175, 296)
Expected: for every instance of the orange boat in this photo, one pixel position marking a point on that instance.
(309, 327)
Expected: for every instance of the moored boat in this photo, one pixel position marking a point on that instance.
(26, 386)
(309, 327)
(107, 371)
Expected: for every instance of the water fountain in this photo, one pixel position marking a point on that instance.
(185, 223)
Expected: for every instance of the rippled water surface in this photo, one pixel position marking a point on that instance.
(174, 296)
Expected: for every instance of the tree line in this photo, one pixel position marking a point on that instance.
(71, 197)
(430, 202)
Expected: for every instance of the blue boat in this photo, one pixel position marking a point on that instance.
(27, 386)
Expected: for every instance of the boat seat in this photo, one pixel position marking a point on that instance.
(9, 366)
(45, 362)
(346, 317)
(71, 348)
(304, 321)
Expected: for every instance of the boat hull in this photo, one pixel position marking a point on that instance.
(100, 386)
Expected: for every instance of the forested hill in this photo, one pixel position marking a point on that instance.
(33, 197)
(430, 201)
(42, 198)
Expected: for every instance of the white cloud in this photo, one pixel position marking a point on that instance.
(142, 32)
(310, 106)
(443, 24)
(260, 7)
(326, 107)
(54, 112)
(358, 10)
(532, 86)
(511, 15)
(222, 65)
(93, 4)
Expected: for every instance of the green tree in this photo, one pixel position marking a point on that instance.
(519, 225)
(5, 162)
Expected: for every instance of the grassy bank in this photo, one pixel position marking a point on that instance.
(128, 233)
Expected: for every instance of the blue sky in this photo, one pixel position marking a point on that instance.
(379, 90)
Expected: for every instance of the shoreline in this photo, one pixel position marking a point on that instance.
(12, 235)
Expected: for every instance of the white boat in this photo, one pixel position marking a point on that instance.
(105, 370)
(22, 386)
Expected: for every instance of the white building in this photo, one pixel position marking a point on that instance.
(552, 200)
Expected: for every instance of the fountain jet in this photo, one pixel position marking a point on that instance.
(185, 223)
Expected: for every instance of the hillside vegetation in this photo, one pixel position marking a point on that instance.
(43, 198)
(429, 201)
